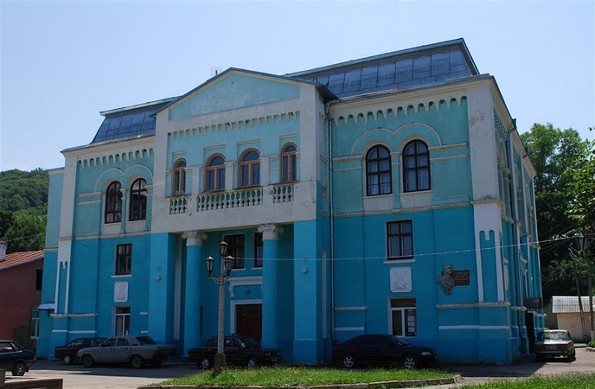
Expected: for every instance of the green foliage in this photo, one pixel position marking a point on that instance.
(23, 209)
(303, 377)
(591, 344)
(555, 154)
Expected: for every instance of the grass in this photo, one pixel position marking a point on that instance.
(569, 381)
(302, 376)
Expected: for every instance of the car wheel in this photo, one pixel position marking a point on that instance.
(67, 359)
(348, 361)
(19, 369)
(87, 360)
(410, 361)
(205, 363)
(136, 361)
(252, 362)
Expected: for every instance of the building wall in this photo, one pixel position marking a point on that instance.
(19, 296)
(325, 274)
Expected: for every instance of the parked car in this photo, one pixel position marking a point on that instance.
(15, 358)
(238, 349)
(68, 352)
(554, 343)
(136, 350)
(381, 349)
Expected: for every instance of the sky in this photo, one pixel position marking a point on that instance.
(63, 62)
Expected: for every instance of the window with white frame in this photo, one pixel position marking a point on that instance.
(249, 169)
(179, 178)
(138, 200)
(236, 249)
(289, 163)
(113, 203)
(122, 321)
(34, 325)
(403, 314)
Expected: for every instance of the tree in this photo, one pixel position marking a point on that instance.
(555, 154)
(23, 209)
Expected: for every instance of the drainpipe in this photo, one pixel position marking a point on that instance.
(331, 215)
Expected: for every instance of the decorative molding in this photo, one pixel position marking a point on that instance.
(73, 315)
(235, 125)
(501, 304)
(351, 309)
(117, 157)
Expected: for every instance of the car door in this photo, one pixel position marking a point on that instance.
(105, 352)
(233, 351)
(122, 351)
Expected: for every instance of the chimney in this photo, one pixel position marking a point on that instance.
(2, 250)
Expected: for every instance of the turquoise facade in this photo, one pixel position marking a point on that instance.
(383, 195)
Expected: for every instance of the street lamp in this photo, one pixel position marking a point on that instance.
(579, 240)
(224, 270)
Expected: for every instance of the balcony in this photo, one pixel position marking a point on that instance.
(239, 198)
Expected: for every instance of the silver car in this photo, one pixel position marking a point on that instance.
(554, 343)
(135, 350)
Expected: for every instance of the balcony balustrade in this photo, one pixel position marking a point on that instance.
(238, 198)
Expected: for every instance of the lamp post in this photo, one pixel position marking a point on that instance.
(224, 270)
(580, 245)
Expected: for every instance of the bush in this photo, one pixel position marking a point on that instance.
(591, 344)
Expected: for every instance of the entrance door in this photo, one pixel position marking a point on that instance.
(249, 320)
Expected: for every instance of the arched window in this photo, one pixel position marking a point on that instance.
(416, 166)
(138, 200)
(215, 173)
(250, 169)
(113, 203)
(179, 178)
(378, 171)
(288, 163)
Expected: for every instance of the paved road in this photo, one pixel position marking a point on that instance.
(114, 377)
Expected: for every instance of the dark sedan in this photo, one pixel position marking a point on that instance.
(67, 353)
(238, 349)
(15, 358)
(381, 350)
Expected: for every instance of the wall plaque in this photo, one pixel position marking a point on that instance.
(461, 277)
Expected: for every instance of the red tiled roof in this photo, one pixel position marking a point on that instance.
(20, 258)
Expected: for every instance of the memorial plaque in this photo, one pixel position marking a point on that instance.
(461, 277)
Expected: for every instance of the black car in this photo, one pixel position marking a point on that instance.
(381, 350)
(15, 358)
(68, 352)
(238, 349)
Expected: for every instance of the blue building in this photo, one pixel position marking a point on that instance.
(390, 194)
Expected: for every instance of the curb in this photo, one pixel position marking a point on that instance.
(370, 385)
(592, 349)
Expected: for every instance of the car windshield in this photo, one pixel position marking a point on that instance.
(553, 335)
(400, 341)
(145, 340)
(250, 342)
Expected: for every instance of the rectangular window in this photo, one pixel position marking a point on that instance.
(122, 320)
(400, 239)
(236, 249)
(404, 317)
(38, 279)
(123, 259)
(258, 247)
(34, 325)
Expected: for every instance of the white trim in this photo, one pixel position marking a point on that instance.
(473, 305)
(241, 281)
(349, 328)
(474, 327)
(74, 315)
(351, 309)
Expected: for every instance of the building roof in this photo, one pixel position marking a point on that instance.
(20, 258)
(412, 68)
(569, 304)
(417, 67)
(130, 122)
